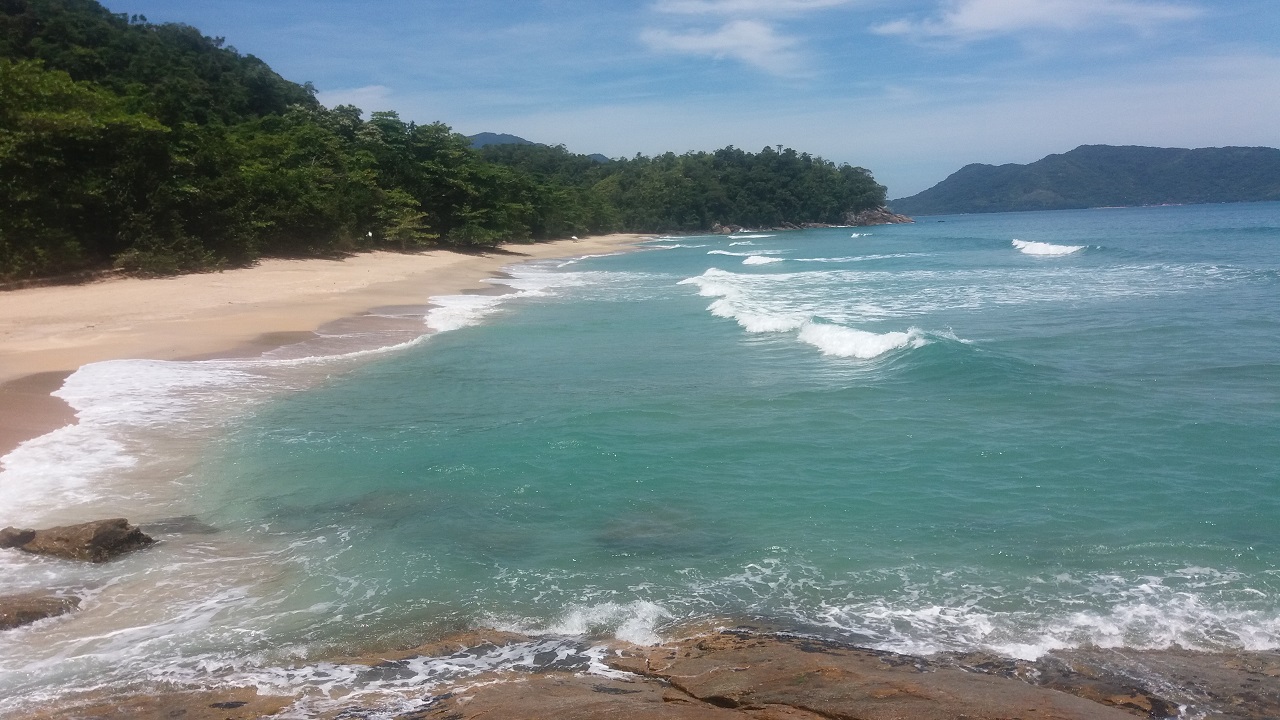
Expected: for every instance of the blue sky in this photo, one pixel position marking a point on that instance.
(911, 89)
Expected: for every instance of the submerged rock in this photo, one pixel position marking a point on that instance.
(24, 609)
(96, 541)
(180, 525)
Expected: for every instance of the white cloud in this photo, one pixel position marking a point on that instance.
(367, 98)
(738, 8)
(913, 137)
(750, 41)
(745, 36)
(976, 19)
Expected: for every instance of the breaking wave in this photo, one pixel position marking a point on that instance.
(1040, 248)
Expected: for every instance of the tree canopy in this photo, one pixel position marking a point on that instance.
(153, 148)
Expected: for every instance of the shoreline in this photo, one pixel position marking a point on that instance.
(48, 332)
(742, 672)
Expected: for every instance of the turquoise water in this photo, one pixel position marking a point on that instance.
(1072, 448)
(921, 437)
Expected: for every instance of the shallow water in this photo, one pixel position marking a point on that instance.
(1015, 432)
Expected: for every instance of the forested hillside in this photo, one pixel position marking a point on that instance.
(1106, 176)
(155, 149)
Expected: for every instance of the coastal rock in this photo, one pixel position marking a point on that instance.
(1236, 685)
(752, 673)
(775, 677)
(876, 216)
(755, 675)
(1077, 678)
(96, 541)
(12, 537)
(19, 610)
(222, 704)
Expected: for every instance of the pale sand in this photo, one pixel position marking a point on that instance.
(51, 331)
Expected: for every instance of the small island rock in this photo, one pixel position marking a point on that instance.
(96, 541)
(19, 610)
(876, 216)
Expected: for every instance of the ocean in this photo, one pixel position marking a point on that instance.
(1014, 432)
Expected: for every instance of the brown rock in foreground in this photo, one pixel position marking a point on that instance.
(19, 610)
(96, 541)
(738, 675)
(754, 673)
(1234, 686)
(756, 676)
(228, 704)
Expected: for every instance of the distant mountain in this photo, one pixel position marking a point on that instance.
(1106, 176)
(485, 139)
(480, 140)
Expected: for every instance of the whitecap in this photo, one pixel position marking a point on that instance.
(760, 260)
(636, 622)
(1040, 248)
(840, 341)
(859, 258)
(743, 254)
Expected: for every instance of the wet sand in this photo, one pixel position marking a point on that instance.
(47, 333)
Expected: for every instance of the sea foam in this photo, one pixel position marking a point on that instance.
(757, 305)
(1040, 248)
(840, 341)
(741, 254)
(127, 410)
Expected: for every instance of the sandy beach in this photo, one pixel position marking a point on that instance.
(48, 332)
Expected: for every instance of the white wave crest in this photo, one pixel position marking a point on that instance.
(743, 254)
(760, 260)
(452, 312)
(859, 258)
(841, 341)
(738, 298)
(126, 409)
(742, 237)
(635, 622)
(1040, 248)
(742, 242)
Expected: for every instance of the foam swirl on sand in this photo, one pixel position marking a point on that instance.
(1039, 248)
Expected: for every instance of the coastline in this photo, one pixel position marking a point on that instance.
(48, 332)
(741, 672)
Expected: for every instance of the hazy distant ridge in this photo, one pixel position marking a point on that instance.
(1104, 176)
(480, 140)
(485, 139)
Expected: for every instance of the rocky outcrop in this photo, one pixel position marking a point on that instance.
(876, 216)
(751, 675)
(745, 675)
(24, 609)
(97, 541)
(222, 704)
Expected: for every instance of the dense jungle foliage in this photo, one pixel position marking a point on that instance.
(155, 149)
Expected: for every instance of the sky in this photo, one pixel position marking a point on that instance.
(911, 89)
